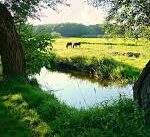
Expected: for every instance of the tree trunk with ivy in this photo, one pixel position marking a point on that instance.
(10, 47)
(142, 91)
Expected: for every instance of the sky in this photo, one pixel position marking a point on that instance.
(78, 12)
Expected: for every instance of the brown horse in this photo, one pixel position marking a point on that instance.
(77, 44)
(69, 44)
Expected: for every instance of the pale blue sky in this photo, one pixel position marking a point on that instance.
(78, 12)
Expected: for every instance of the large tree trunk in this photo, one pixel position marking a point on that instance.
(142, 91)
(10, 47)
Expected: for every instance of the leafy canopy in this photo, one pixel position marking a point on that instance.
(22, 9)
(133, 15)
(37, 49)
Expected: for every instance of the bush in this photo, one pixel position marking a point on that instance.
(35, 47)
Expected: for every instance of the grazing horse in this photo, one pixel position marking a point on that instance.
(77, 44)
(69, 44)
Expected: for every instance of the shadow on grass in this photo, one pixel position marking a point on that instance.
(37, 108)
(24, 120)
(10, 125)
(112, 43)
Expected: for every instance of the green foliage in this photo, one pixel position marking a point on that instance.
(112, 121)
(1, 69)
(24, 9)
(36, 60)
(28, 111)
(71, 29)
(55, 34)
(91, 36)
(145, 32)
(33, 41)
(104, 69)
(34, 46)
(114, 30)
(129, 14)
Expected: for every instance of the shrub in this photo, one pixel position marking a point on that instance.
(35, 47)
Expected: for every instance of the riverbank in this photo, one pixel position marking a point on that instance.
(113, 61)
(106, 69)
(28, 111)
(117, 60)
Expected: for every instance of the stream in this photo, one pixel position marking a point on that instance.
(78, 92)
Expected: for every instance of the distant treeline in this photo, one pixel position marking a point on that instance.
(71, 30)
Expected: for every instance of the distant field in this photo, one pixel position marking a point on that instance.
(104, 47)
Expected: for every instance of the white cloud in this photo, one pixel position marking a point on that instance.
(78, 12)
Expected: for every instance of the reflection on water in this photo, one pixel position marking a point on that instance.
(77, 92)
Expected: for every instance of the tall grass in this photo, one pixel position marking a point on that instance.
(28, 111)
(103, 69)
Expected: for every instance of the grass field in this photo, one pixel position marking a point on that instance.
(104, 47)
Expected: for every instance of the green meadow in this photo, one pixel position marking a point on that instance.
(115, 59)
(105, 48)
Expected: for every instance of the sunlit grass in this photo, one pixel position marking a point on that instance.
(105, 47)
(27, 116)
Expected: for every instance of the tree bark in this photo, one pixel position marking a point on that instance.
(10, 47)
(142, 91)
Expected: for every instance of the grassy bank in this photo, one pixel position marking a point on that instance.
(100, 69)
(27, 111)
(103, 58)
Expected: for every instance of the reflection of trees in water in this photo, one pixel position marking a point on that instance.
(99, 81)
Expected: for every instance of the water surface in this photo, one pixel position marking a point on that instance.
(77, 92)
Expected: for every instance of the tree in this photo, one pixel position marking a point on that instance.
(133, 15)
(130, 14)
(55, 34)
(10, 47)
(114, 30)
(35, 47)
(71, 29)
